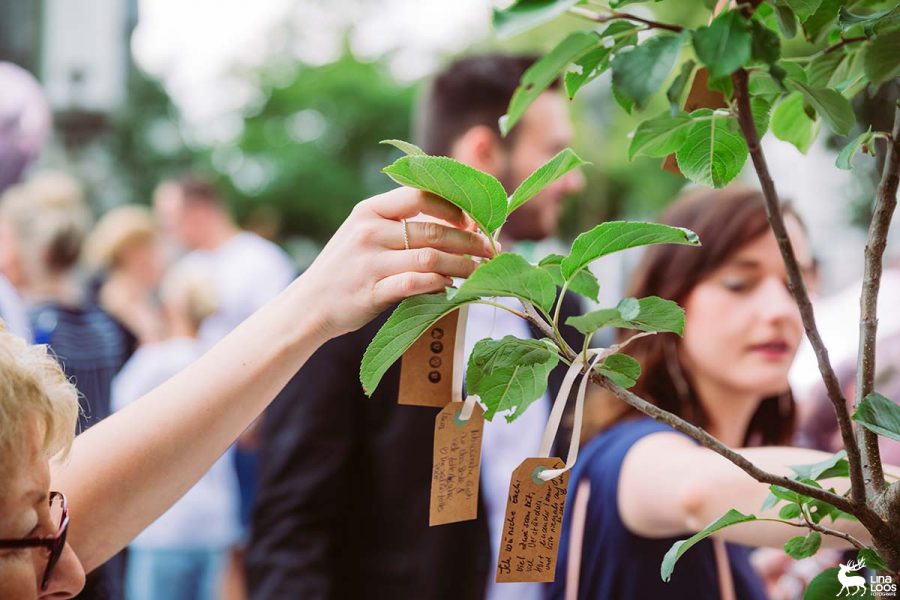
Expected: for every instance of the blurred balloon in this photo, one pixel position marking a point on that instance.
(24, 122)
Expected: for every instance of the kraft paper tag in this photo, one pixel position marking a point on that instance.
(534, 514)
(700, 96)
(426, 370)
(456, 466)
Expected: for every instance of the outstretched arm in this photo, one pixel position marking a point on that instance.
(127, 470)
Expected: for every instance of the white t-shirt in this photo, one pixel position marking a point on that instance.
(207, 516)
(505, 445)
(248, 271)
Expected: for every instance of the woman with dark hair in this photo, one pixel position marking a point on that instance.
(640, 486)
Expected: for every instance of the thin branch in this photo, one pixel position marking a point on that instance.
(827, 530)
(614, 15)
(885, 203)
(504, 307)
(842, 43)
(797, 286)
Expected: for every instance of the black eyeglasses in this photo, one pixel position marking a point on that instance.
(55, 544)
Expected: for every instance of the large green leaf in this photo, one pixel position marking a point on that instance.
(825, 586)
(791, 123)
(803, 546)
(410, 319)
(882, 20)
(834, 108)
(725, 45)
(621, 369)
(822, 20)
(877, 413)
(640, 71)
(766, 45)
(614, 236)
(882, 58)
(787, 20)
(660, 136)
(829, 70)
(863, 141)
(654, 314)
(833, 466)
(509, 374)
(732, 517)
(584, 283)
(595, 62)
(804, 9)
(507, 275)
(556, 167)
(480, 195)
(525, 14)
(541, 74)
(714, 151)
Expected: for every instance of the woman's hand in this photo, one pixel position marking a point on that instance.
(365, 268)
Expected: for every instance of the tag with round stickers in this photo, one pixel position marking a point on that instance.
(529, 541)
(427, 368)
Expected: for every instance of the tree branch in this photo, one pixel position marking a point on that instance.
(620, 16)
(798, 288)
(842, 43)
(829, 531)
(885, 203)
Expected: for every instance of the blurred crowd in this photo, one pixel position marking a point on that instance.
(327, 497)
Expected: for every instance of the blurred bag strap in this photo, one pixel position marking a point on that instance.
(576, 539)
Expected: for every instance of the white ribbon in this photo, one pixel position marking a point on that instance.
(557, 412)
(459, 366)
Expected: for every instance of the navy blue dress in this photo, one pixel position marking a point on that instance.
(617, 564)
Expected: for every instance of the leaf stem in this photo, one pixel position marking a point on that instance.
(614, 15)
(804, 510)
(797, 286)
(503, 306)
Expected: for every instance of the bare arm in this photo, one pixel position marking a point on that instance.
(670, 486)
(127, 470)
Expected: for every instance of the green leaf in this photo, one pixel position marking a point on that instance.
(790, 123)
(883, 19)
(640, 71)
(509, 374)
(629, 308)
(804, 9)
(714, 151)
(614, 236)
(825, 70)
(760, 108)
(405, 147)
(882, 58)
(549, 172)
(803, 546)
(787, 20)
(526, 14)
(834, 466)
(725, 45)
(789, 511)
(480, 195)
(863, 141)
(621, 369)
(541, 74)
(410, 319)
(660, 136)
(877, 413)
(824, 585)
(732, 517)
(584, 283)
(763, 85)
(822, 20)
(675, 93)
(872, 558)
(766, 45)
(654, 314)
(595, 62)
(834, 108)
(507, 275)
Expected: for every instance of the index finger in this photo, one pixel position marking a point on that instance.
(405, 203)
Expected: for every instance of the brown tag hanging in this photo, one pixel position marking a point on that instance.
(534, 513)
(700, 96)
(457, 465)
(426, 370)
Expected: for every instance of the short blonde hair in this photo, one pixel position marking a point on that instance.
(189, 288)
(50, 218)
(34, 391)
(117, 231)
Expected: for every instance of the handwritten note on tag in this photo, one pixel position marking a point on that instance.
(426, 370)
(529, 542)
(456, 466)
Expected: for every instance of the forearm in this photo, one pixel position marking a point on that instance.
(127, 470)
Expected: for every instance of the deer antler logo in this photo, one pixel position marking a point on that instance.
(856, 582)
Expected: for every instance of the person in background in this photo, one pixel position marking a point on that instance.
(640, 486)
(344, 495)
(247, 271)
(124, 250)
(45, 221)
(181, 556)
